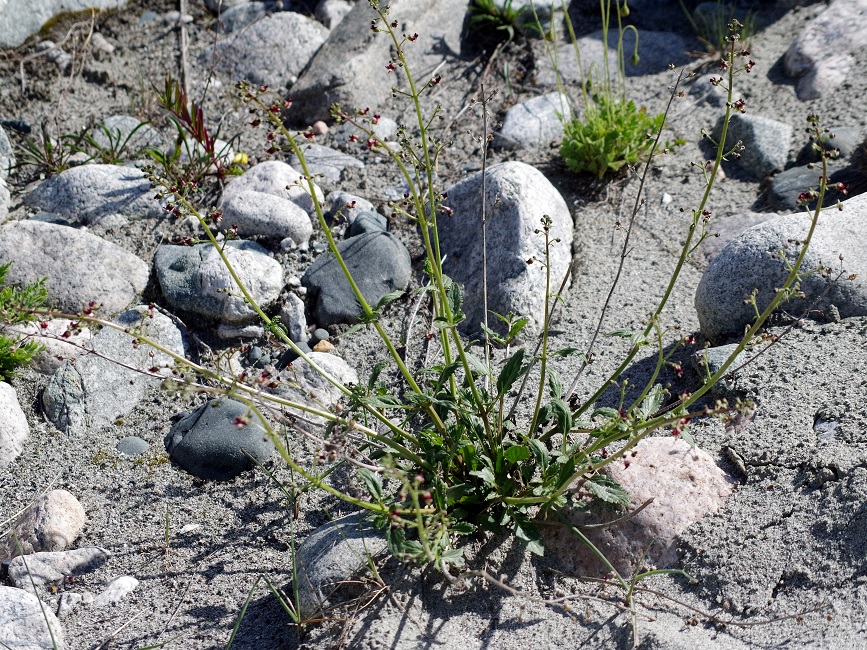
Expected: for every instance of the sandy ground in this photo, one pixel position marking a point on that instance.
(791, 540)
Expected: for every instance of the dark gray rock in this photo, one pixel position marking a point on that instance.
(25, 622)
(787, 186)
(319, 334)
(332, 555)
(367, 222)
(349, 69)
(53, 568)
(80, 267)
(518, 196)
(344, 207)
(331, 12)
(325, 162)
(132, 446)
(87, 193)
(194, 278)
(97, 389)
(379, 264)
(752, 262)
(272, 50)
(767, 143)
(210, 442)
(534, 122)
(258, 213)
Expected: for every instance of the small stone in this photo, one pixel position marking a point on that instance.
(52, 523)
(292, 316)
(845, 138)
(367, 222)
(319, 127)
(115, 591)
(68, 601)
(14, 428)
(323, 346)
(27, 624)
(277, 178)
(5, 197)
(211, 441)
(261, 214)
(132, 446)
(319, 334)
(533, 123)
(7, 159)
(230, 332)
(101, 44)
(53, 568)
(766, 141)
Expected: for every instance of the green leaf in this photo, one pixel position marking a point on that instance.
(516, 454)
(453, 294)
(567, 352)
(560, 410)
(477, 366)
(388, 299)
(517, 326)
(555, 387)
(607, 490)
(453, 557)
(486, 475)
(606, 412)
(510, 373)
(540, 452)
(652, 401)
(374, 374)
(525, 530)
(373, 482)
(462, 528)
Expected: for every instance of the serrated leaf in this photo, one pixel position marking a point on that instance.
(486, 475)
(607, 490)
(652, 402)
(387, 299)
(374, 374)
(510, 373)
(372, 481)
(453, 557)
(560, 410)
(496, 338)
(516, 454)
(540, 452)
(453, 295)
(462, 528)
(555, 387)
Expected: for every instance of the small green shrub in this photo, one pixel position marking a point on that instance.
(17, 308)
(711, 27)
(612, 134)
(504, 19)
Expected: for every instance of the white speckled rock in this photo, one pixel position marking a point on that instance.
(52, 523)
(25, 624)
(115, 591)
(13, 426)
(258, 213)
(685, 485)
(53, 568)
(533, 123)
(277, 178)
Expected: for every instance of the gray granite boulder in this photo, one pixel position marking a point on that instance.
(533, 123)
(786, 187)
(99, 388)
(21, 18)
(5, 197)
(379, 264)
(331, 556)
(326, 162)
(846, 139)
(766, 141)
(54, 567)
(821, 55)
(210, 442)
(518, 196)
(258, 213)
(87, 193)
(14, 428)
(272, 50)
(277, 178)
(80, 267)
(349, 69)
(236, 17)
(7, 159)
(751, 261)
(27, 624)
(195, 279)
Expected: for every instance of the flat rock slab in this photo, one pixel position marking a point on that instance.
(272, 50)
(14, 428)
(25, 624)
(518, 196)
(195, 279)
(51, 523)
(685, 485)
(751, 261)
(52, 568)
(99, 388)
(80, 267)
(87, 193)
(210, 442)
(379, 264)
